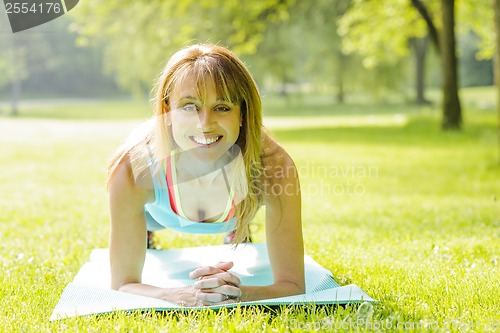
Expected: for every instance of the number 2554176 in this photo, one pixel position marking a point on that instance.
(33, 8)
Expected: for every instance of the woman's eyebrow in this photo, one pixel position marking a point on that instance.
(189, 98)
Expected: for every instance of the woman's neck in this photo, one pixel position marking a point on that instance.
(190, 167)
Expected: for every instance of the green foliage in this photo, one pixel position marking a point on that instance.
(420, 235)
(47, 61)
(13, 58)
(339, 46)
(304, 53)
(140, 36)
(477, 15)
(379, 30)
(473, 71)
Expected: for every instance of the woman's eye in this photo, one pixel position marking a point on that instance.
(189, 108)
(222, 108)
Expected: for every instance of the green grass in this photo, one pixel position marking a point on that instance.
(81, 109)
(392, 204)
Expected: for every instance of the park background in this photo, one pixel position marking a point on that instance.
(389, 109)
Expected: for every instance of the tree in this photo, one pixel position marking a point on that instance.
(323, 58)
(45, 60)
(139, 36)
(420, 49)
(452, 112)
(384, 33)
(14, 58)
(475, 15)
(446, 44)
(497, 57)
(396, 23)
(303, 49)
(496, 6)
(473, 70)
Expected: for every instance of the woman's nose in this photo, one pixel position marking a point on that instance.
(206, 120)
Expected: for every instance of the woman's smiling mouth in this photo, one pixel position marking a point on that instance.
(202, 140)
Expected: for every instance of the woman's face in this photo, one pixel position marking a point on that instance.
(207, 125)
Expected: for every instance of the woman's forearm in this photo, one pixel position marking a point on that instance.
(184, 296)
(280, 289)
(187, 295)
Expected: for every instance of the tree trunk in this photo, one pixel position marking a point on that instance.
(340, 8)
(16, 93)
(340, 92)
(340, 77)
(452, 114)
(431, 27)
(420, 48)
(16, 79)
(496, 5)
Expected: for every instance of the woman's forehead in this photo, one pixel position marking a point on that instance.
(187, 86)
(200, 87)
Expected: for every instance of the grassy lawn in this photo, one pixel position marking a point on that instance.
(390, 203)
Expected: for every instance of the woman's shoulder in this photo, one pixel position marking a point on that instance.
(126, 178)
(276, 161)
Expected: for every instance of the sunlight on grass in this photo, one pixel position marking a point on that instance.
(275, 122)
(390, 203)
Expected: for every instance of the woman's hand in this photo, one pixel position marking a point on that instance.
(216, 285)
(184, 296)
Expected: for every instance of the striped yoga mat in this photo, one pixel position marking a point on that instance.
(89, 292)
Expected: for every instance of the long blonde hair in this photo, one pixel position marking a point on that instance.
(233, 82)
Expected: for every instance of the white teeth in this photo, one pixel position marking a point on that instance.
(205, 141)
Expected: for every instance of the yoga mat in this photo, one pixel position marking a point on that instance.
(89, 292)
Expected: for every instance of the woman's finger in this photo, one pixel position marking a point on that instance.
(225, 294)
(224, 265)
(229, 291)
(210, 270)
(204, 271)
(217, 280)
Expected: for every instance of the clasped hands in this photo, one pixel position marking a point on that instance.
(216, 285)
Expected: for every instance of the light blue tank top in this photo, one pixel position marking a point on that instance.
(159, 214)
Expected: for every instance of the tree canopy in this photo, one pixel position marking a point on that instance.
(139, 36)
(344, 47)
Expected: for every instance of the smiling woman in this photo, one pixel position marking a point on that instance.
(196, 167)
(207, 121)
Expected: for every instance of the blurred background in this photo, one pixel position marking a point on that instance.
(341, 53)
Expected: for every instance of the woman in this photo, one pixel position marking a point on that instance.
(204, 164)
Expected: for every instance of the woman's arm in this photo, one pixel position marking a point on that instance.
(127, 243)
(283, 233)
(283, 226)
(127, 246)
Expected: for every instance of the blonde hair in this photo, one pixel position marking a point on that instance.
(234, 83)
